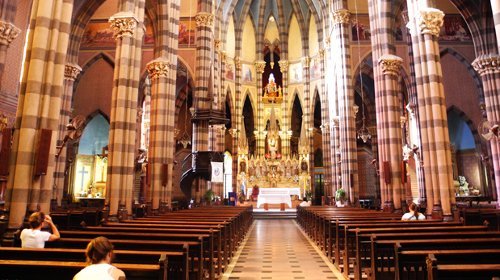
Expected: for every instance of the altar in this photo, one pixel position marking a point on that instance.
(274, 195)
(291, 191)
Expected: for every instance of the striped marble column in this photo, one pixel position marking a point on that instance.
(39, 108)
(128, 32)
(412, 110)
(488, 66)
(260, 133)
(495, 8)
(285, 112)
(8, 32)
(71, 72)
(347, 123)
(308, 119)
(202, 96)
(425, 23)
(390, 147)
(239, 125)
(335, 152)
(325, 130)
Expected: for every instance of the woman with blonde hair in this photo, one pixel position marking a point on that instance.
(99, 255)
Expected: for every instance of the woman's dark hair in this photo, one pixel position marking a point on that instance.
(36, 219)
(98, 249)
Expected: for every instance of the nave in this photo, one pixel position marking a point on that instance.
(278, 249)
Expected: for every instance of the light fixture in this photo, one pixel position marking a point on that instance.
(185, 140)
(363, 132)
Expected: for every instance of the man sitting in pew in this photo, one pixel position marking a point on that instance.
(413, 214)
(34, 237)
(99, 255)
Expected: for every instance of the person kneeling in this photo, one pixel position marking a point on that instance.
(99, 255)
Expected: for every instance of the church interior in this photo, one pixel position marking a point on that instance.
(136, 109)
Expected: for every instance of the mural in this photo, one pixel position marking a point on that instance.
(454, 29)
(98, 34)
(247, 71)
(187, 29)
(315, 68)
(361, 28)
(296, 73)
(229, 72)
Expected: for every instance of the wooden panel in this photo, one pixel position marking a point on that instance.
(5, 151)
(387, 172)
(42, 152)
(164, 174)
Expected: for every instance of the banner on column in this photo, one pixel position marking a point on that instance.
(217, 172)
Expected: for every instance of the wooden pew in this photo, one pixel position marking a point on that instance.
(39, 269)
(383, 251)
(195, 249)
(473, 270)
(206, 239)
(357, 247)
(411, 264)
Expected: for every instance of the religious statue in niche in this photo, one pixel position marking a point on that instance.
(272, 91)
(273, 140)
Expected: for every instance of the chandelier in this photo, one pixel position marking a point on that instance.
(185, 139)
(363, 132)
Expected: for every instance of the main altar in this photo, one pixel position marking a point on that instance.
(274, 167)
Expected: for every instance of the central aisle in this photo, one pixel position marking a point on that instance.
(277, 249)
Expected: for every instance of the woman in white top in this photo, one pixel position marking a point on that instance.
(413, 215)
(99, 255)
(34, 237)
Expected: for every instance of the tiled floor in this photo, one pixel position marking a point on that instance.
(278, 250)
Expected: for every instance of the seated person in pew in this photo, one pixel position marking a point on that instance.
(413, 214)
(34, 237)
(99, 255)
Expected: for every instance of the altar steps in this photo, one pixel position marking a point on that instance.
(262, 215)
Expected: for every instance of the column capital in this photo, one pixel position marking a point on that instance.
(123, 24)
(341, 16)
(283, 66)
(260, 65)
(237, 63)
(321, 54)
(71, 71)
(158, 67)
(429, 21)
(487, 64)
(335, 122)
(204, 19)
(8, 32)
(223, 56)
(390, 64)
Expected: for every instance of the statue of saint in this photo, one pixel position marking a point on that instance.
(272, 92)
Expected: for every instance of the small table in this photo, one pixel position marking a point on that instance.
(94, 202)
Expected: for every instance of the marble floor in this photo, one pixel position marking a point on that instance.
(279, 250)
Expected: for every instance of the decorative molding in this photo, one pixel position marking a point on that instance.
(390, 64)
(237, 63)
(204, 19)
(223, 57)
(321, 54)
(306, 61)
(341, 16)
(158, 68)
(429, 21)
(283, 66)
(71, 71)
(260, 65)
(8, 32)
(123, 24)
(487, 64)
(217, 44)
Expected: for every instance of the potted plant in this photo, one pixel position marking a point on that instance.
(209, 196)
(340, 197)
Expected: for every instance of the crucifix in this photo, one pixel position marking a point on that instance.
(83, 172)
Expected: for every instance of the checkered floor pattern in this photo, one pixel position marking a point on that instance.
(278, 249)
